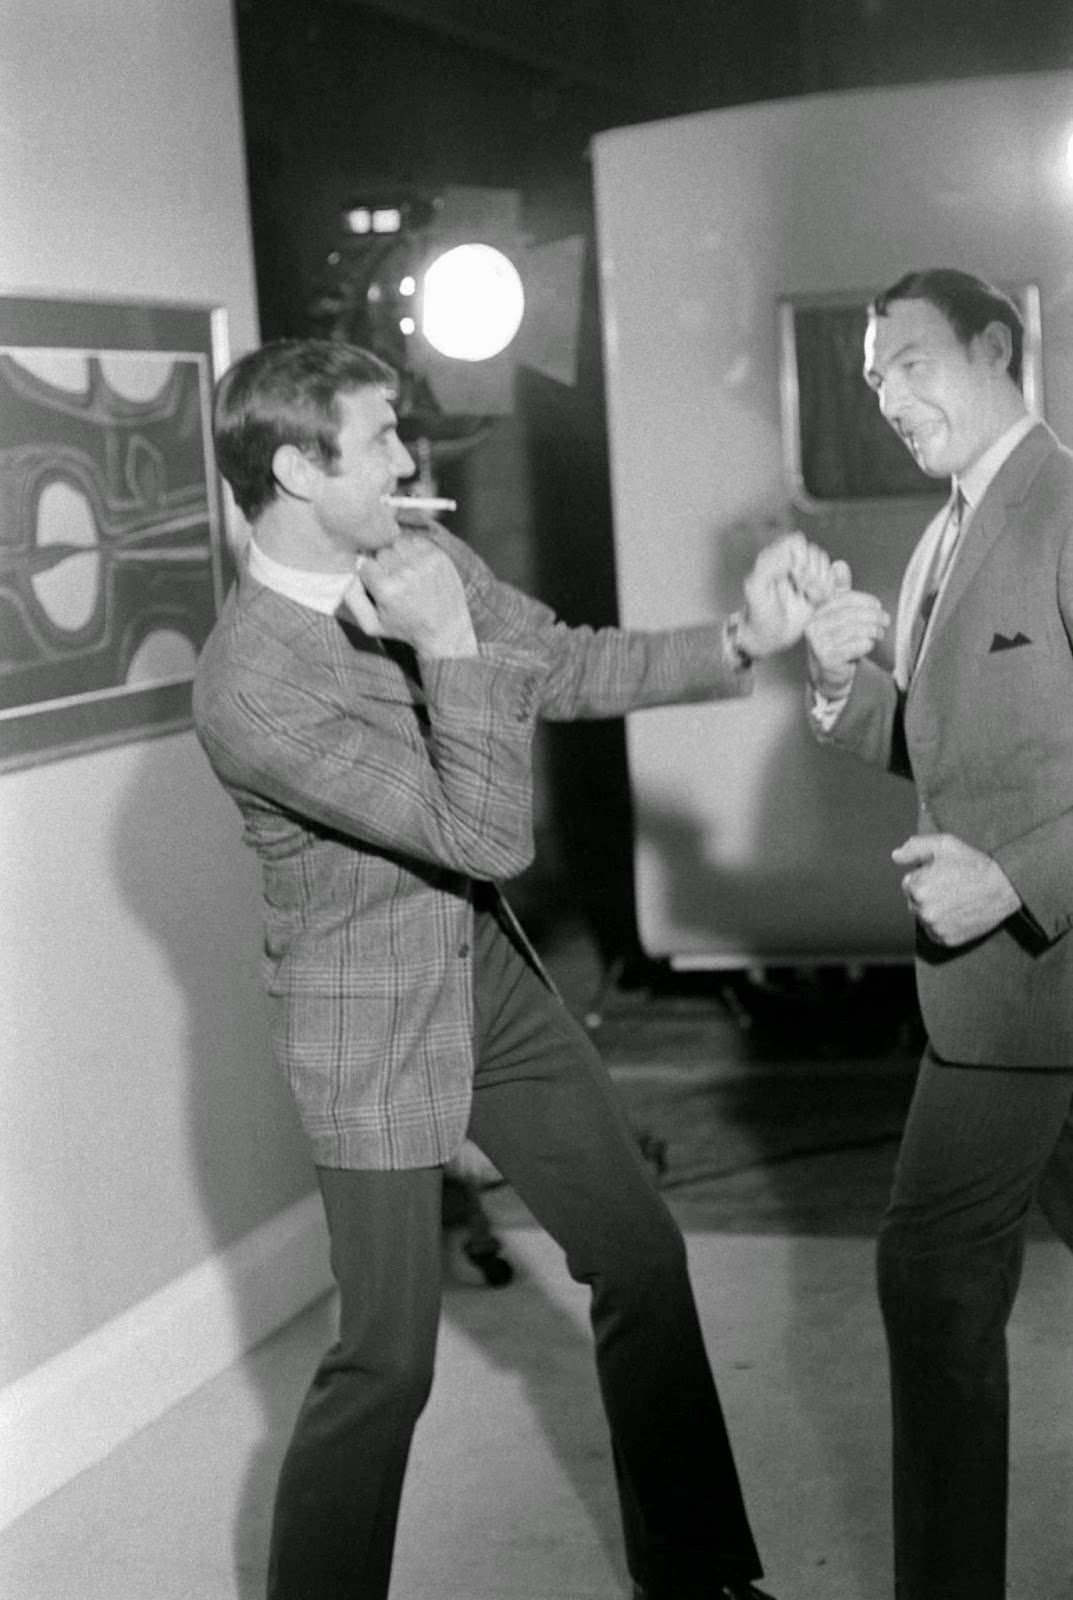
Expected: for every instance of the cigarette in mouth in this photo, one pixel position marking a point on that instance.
(416, 502)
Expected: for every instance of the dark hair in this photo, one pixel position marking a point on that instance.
(287, 392)
(968, 304)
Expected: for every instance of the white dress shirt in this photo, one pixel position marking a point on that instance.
(321, 591)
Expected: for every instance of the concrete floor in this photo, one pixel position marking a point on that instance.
(778, 1110)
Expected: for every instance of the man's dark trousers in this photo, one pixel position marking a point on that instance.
(979, 1143)
(546, 1113)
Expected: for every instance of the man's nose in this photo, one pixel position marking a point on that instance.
(405, 466)
(892, 400)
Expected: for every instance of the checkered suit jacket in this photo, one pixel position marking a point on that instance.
(986, 731)
(377, 790)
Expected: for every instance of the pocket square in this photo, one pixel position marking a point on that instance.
(1001, 642)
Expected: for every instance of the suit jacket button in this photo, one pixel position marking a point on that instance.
(463, 951)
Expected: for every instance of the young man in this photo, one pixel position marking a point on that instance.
(368, 698)
(977, 712)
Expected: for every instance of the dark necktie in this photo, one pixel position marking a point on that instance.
(942, 556)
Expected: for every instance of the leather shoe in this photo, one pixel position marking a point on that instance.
(725, 1591)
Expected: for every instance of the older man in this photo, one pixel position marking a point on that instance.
(979, 713)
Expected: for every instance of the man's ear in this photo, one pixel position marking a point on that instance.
(997, 343)
(293, 470)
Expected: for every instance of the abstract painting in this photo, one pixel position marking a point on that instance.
(113, 555)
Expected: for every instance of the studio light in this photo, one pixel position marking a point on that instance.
(472, 302)
(448, 290)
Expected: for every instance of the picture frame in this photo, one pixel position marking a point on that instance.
(113, 551)
(837, 448)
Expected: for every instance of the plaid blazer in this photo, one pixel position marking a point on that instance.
(986, 733)
(378, 789)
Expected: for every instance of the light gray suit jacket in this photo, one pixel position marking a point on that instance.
(986, 732)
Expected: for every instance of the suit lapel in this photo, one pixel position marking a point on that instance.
(989, 522)
(387, 667)
(385, 670)
(988, 525)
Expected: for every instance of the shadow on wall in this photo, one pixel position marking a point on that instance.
(186, 877)
(822, 823)
(821, 800)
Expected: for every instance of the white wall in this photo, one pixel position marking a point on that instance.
(143, 1130)
(751, 843)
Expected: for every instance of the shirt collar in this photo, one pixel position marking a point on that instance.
(975, 482)
(320, 591)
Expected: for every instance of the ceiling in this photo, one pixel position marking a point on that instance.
(670, 56)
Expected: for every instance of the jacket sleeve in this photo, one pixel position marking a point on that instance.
(453, 788)
(1039, 863)
(1038, 866)
(871, 724)
(584, 672)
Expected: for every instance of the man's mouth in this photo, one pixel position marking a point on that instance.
(917, 438)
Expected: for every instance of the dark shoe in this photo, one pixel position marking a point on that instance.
(725, 1591)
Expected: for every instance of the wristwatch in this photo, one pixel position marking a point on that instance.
(731, 632)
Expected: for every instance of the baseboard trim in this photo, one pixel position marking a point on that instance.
(76, 1408)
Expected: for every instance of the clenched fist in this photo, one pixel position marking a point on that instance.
(843, 630)
(411, 590)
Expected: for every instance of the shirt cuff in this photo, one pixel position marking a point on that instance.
(825, 712)
(734, 653)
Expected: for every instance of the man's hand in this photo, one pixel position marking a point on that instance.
(843, 629)
(956, 892)
(790, 577)
(411, 590)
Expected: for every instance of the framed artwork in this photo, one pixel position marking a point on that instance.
(837, 448)
(113, 554)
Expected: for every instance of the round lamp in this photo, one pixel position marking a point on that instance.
(472, 302)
